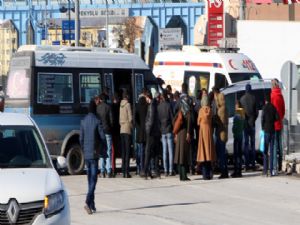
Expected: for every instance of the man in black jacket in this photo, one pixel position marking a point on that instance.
(248, 102)
(269, 116)
(152, 136)
(105, 114)
(165, 115)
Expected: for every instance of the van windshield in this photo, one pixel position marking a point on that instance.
(237, 77)
(22, 147)
(18, 84)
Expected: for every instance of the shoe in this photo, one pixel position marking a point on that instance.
(172, 173)
(166, 174)
(102, 175)
(223, 176)
(94, 210)
(128, 175)
(88, 209)
(109, 175)
(236, 175)
(186, 179)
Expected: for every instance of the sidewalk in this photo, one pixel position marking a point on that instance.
(249, 200)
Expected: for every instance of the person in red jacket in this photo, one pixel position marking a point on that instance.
(278, 101)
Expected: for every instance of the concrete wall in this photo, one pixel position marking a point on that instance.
(269, 44)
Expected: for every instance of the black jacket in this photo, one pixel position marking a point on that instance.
(152, 122)
(105, 114)
(140, 119)
(269, 116)
(165, 116)
(248, 102)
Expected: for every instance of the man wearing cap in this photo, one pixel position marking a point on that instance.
(248, 102)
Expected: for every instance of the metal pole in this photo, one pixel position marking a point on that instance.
(289, 107)
(69, 14)
(77, 23)
(107, 37)
(292, 12)
(242, 9)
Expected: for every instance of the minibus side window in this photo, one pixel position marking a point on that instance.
(90, 86)
(55, 88)
(18, 84)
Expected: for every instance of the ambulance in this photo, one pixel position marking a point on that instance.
(199, 69)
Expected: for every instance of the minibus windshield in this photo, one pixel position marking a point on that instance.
(18, 84)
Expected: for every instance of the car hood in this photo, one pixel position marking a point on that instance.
(28, 185)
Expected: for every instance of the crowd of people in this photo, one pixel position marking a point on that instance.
(177, 134)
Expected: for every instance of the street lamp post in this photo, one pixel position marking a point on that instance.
(107, 32)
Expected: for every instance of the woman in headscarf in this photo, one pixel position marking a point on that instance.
(206, 149)
(183, 136)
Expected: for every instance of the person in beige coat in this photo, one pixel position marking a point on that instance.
(221, 133)
(125, 131)
(206, 148)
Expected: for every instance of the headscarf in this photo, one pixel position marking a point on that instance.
(204, 101)
(185, 104)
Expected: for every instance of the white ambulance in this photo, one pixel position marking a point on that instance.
(203, 69)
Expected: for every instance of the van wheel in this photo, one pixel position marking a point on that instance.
(75, 160)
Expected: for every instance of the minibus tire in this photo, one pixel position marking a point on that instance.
(75, 160)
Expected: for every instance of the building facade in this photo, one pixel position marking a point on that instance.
(8, 45)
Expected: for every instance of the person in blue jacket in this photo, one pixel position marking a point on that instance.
(92, 141)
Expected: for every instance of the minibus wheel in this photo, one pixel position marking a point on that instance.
(75, 160)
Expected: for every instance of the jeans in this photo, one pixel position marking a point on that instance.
(105, 162)
(167, 144)
(125, 145)
(92, 170)
(269, 141)
(278, 150)
(237, 154)
(140, 156)
(249, 133)
(222, 157)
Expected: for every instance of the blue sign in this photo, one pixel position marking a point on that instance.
(43, 34)
(68, 25)
(55, 42)
(68, 36)
(68, 29)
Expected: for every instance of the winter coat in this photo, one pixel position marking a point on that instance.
(125, 118)
(278, 102)
(182, 154)
(105, 114)
(222, 117)
(206, 148)
(269, 116)
(248, 103)
(238, 123)
(152, 122)
(165, 116)
(92, 138)
(140, 120)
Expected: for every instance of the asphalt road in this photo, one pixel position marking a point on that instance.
(167, 201)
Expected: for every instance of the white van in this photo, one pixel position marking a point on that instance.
(31, 191)
(203, 69)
